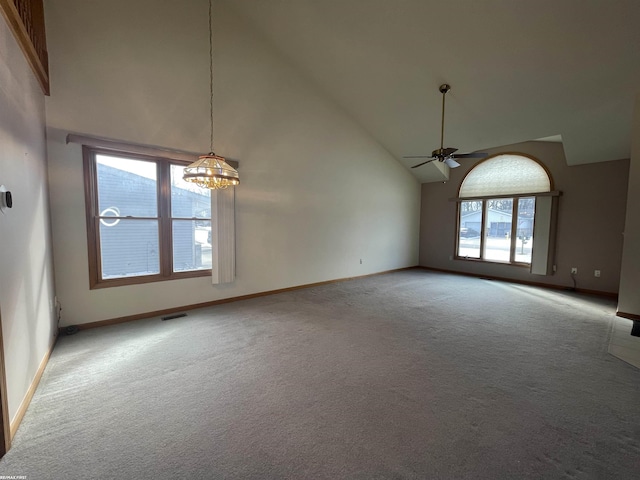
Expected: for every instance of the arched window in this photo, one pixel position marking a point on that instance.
(499, 211)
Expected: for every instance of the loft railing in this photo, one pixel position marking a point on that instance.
(26, 20)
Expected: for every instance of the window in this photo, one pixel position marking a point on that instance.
(497, 211)
(144, 223)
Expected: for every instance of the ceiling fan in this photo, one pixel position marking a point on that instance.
(446, 155)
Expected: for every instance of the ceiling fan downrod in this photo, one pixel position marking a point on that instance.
(444, 88)
(445, 155)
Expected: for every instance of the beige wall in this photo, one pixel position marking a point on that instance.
(26, 276)
(317, 194)
(590, 221)
(629, 300)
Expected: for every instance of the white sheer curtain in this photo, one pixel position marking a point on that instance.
(505, 175)
(223, 236)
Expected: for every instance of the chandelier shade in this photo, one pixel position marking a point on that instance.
(212, 172)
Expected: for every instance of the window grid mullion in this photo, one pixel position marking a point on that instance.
(483, 226)
(514, 230)
(93, 236)
(164, 206)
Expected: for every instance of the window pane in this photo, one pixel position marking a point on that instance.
(470, 227)
(187, 199)
(191, 245)
(524, 242)
(497, 244)
(129, 248)
(126, 187)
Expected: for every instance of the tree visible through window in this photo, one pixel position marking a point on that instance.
(144, 223)
(497, 225)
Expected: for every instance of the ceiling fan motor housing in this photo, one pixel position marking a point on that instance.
(441, 153)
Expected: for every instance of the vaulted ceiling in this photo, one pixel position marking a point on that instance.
(519, 69)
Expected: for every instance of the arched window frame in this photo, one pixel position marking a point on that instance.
(542, 245)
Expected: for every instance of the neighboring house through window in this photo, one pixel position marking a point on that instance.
(498, 213)
(144, 223)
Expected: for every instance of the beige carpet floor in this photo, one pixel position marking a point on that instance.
(413, 374)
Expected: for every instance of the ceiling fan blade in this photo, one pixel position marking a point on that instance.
(447, 152)
(451, 162)
(419, 156)
(470, 155)
(423, 163)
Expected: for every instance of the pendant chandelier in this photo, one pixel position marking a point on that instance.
(211, 171)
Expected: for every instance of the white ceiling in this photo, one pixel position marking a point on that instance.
(519, 69)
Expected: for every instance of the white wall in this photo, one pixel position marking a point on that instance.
(629, 300)
(26, 269)
(317, 193)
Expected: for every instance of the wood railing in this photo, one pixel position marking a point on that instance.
(26, 20)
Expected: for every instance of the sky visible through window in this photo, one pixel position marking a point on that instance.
(148, 170)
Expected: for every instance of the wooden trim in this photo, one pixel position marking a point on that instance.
(26, 401)
(5, 430)
(123, 148)
(93, 248)
(554, 193)
(456, 234)
(630, 316)
(483, 230)
(525, 282)
(37, 58)
(515, 214)
(142, 279)
(165, 223)
(130, 217)
(157, 313)
(492, 262)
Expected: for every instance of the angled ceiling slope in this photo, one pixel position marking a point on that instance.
(519, 70)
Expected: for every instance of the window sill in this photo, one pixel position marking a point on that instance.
(126, 281)
(493, 262)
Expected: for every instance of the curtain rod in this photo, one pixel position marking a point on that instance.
(152, 150)
(553, 193)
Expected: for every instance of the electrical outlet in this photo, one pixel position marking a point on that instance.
(360, 261)
(596, 273)
(574, 270)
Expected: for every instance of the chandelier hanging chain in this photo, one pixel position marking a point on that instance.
(211, 171)
(211, 74)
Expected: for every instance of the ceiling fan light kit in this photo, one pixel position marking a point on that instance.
(445, 155)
